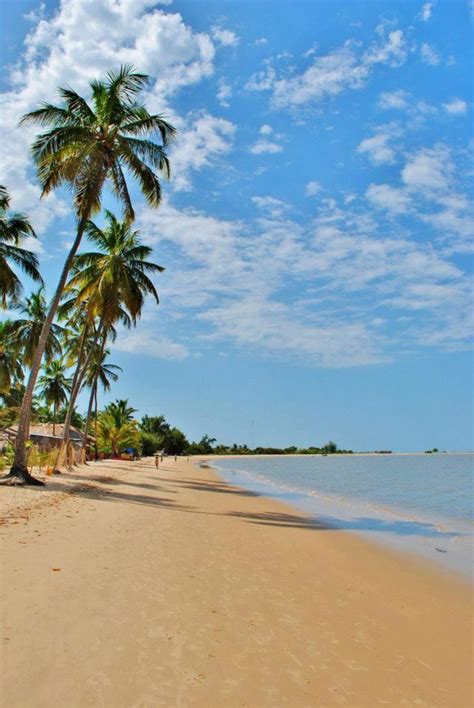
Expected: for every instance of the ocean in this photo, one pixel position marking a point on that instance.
(417, 503)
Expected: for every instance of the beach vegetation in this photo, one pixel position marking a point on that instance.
(54, 386)
(117, 430)
(26, 330)
(86, 145)
(14, 229)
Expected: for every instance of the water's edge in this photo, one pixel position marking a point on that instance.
(447, 543)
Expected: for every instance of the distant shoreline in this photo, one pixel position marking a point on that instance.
(341, 454)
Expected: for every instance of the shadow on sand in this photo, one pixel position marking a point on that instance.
(87, 489)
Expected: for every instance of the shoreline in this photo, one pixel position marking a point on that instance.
(169, 587)
(443, 541)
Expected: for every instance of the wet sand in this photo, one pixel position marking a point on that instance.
(122, 585)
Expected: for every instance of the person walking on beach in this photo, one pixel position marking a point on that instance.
(157, 460)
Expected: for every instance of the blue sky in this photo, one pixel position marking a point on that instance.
(317, 231)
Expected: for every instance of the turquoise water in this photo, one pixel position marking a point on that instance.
(422, 503)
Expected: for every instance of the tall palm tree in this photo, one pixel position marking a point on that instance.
(27, 330)
(111, 283)
(86, 146)
(11, 370)
(117, 275)
(98, 372)
(13, 227)
(55, 386)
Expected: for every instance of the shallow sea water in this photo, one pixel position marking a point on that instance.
(417, 503)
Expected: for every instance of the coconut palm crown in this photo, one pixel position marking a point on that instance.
(14, 227)
(115, 277)
(91, 142)
(26, 330)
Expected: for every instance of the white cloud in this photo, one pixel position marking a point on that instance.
(386, 197)
(59, 53)
(224, 92)
(261, 40)
(428, 169)
(266, 129)
(428, 55)
(146, 341)
(456, 106)
(377, 148)
(347, 67)
(203, 140)
(225, 37)
(232, 278)
(265, 146)
(274, 207)
(426, 11)
(312, 188)
(394, 99)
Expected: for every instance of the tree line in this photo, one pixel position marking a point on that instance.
(57, 349)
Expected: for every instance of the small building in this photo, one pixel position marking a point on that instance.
(41, 434)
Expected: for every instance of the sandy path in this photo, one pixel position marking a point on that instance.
(174, 589)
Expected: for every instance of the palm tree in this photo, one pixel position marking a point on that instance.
(85, 147)
(98, 371)
(54, 386)
(116, 427)
(13, 227)
(27, 330)
(117, 275)
(110, 284)
(11, 370)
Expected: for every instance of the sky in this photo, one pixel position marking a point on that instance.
(317, 229)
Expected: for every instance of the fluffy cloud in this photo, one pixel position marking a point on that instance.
(264, 144)
(428, 169)
(225, 37)
(386, 197)
(377, 148)
(394, 99)
(456, 107)
(202, 140)
(312, 188)
(428, 55)
(274, 207)
(145, 341)
(232, 278)
(224, 92)
(426, 11)
(58, 52)
(347, 67)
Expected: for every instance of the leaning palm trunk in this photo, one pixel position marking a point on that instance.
(91, 401)
(79, 374)
(88, 420)
(19, 471)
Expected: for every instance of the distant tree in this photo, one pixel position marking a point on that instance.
(54, 386)
(156, 425)
(175, 442)
(330, 447)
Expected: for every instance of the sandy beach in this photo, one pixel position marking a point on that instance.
(123, 585)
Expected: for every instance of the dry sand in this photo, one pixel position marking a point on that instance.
(123, 585)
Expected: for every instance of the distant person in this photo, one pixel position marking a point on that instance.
(175, 457)
(157, 460)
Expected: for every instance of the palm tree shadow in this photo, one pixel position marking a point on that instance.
(331, 523)
(108, 495)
